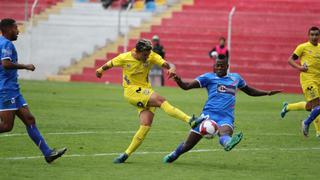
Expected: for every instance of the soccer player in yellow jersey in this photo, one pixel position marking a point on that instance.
(309, 67)
(136, 65)
(300, 106)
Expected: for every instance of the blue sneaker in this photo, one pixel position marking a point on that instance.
(304, 129)
(169, 158)
(284, 110)
(121, 159)
(195, 121)
(234, 141)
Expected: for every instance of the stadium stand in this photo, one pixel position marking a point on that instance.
(16, 9)
(66, 37)
(265, 33)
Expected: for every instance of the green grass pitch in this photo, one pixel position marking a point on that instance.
(96, 123)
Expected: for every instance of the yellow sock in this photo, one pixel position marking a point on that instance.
(174, 112)
(297, 106)
(137, 139)
(316, 124)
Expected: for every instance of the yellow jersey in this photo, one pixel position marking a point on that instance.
(136, 72)
(310, 56)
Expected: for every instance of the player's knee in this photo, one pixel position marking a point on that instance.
(6, 127)
(160, 100)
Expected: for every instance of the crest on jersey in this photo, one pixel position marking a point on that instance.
(6, 52)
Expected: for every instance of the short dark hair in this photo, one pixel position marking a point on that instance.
(5, 23)
(222, 38)
(143, 45)
(313, 28)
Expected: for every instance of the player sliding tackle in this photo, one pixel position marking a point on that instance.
(221, 87)
(136, 65)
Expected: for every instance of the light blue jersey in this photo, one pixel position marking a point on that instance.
(221, 96)
(10, 97)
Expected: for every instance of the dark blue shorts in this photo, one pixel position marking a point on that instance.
(14, 102)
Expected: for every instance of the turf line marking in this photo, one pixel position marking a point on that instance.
(129, 132)
(166, 152)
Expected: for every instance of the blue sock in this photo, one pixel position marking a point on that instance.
(36, 137)
(224, 139)
(178, 151)
(313, 115)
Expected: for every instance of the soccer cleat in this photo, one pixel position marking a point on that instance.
(234, 141)
(304, 129)
(55, 154)
(318, 135)
(195, 121)
(284, 110)
(121, 159)
(169, 158)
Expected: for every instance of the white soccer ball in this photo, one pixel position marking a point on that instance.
(208, 128)
(214, 54)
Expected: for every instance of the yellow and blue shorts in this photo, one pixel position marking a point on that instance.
(139, 96)
(310, 89)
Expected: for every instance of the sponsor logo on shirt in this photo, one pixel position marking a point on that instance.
(226, 89)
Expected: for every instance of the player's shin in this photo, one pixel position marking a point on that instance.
(137, 139)
(174, 112)
(297, 106)
(36, 137)
(313, 115)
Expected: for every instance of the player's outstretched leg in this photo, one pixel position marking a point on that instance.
(174, 155)
(55, 154)
(233, 141)
(306, 123)
(299, 106)
(191, 141)
(284, 110)
(135, 143)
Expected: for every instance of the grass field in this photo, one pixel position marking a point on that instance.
(96, 124)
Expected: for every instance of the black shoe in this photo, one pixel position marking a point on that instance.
(121, 159)
(56, 153)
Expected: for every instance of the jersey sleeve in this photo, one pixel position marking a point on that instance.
(203, 80)
(157, 59)
(299, 50)
(118, 61)
(7, 51)
(241, 82)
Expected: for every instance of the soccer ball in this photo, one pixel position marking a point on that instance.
(214, 54)
(208, 128)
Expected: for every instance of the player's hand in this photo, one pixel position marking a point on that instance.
(30, 67)
(303, 68)
(98, 74)
(270, 93)
(171, 73)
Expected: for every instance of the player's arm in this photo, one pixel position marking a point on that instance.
(171, 69)
(256, 92)
(7, 64)
(186, 85)
(292, 61)
(103, 68)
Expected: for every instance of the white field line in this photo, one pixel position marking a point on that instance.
(166, 152)
(130, 132)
